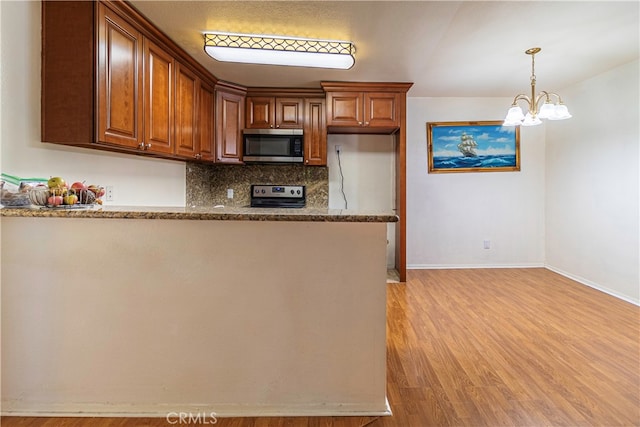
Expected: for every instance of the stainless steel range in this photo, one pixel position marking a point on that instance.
(278, 196)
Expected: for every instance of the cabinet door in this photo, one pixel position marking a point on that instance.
(260, 112)
(289, 113)
(206, 120)
(344, 108)
(186, 112)
(315, 133)
(380, 109)
(229, 121)
(158, 96)
(119, 81)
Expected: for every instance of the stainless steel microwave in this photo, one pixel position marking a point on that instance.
(273, 146)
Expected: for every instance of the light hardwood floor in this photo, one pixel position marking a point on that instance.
(499, 347)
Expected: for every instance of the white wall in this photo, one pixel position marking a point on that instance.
(592, 214)
(368, 167)
(450, 215)
(136, 180)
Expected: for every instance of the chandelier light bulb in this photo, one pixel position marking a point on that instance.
(531, 120)
(561, 112)
(547, 110)
(514, 115)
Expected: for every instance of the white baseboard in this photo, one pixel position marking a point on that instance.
(462, 266)
(200, 413)
(593, 285)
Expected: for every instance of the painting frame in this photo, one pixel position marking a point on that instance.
(491, 148)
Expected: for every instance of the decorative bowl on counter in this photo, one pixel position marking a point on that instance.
(65, 198)
(51, 193)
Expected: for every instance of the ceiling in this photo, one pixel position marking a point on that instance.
(446, 48)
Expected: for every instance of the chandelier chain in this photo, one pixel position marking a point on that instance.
(533, 67)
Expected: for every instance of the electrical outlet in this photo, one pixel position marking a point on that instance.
(229, 193)
(108, 193)
(338, 148)
(487, 244)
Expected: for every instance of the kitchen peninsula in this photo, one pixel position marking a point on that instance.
(237, 311)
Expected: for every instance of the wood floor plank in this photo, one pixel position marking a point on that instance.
(499, 347)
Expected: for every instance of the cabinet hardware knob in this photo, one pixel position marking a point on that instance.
(197, 156)
(360, 123)
(141, 146)
(147, 146)
(366, 123)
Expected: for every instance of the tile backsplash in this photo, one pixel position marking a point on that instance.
(207, 185)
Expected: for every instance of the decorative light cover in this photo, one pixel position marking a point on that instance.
(279, 50)
(548, 110)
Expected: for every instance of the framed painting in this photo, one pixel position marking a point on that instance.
(473, 147)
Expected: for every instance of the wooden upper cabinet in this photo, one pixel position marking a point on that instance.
(206, 122)
(120, 64)
(135, 110)
(194, 116)
(229, 123)
(289, 113)
(315, 133)
(364, 107)
(345, 109)
(121, 89)
(186, 112)
(260, 112)
(133, 95)
(381, 109)
(264, 112)
(158, 95)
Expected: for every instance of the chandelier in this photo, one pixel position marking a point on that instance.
(549, 109)
(279, 50)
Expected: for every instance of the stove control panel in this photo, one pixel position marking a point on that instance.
(279, 191)
(278, 196)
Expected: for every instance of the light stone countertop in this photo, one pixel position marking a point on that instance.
(215, 214)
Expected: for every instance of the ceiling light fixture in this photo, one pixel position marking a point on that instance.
(548, 110)
(279, 50)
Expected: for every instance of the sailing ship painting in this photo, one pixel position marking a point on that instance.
(467, 145)
(473, 147)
